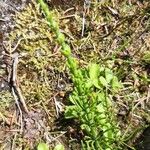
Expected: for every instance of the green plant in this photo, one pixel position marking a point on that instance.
(42, 146)
(93, 107)
(90, 100)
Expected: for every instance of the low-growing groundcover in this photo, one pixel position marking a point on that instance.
(90, 98)
(98, 81)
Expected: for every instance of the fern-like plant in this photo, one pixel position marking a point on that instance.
(93, 107)
(90, 100)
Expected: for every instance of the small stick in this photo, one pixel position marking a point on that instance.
(1, 19)
(15, 47)
(70, 9)
(83, 24)
(58, 106)
(86, 11)
(15, 87)
(68, 16)
(13, 142)
(17, 103)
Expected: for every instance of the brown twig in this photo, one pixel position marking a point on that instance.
(20, 111)
(15, 87)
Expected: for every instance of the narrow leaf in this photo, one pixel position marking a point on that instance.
(108, 75)
(94, 71)
(103, 81)
(71, 112)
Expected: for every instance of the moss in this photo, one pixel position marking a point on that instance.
(39, 53)
(6, 99)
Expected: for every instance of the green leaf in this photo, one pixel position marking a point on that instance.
(94, 71)
(100, 108)
(108, 75)
(115, 84)
(71, 112)
(42, 146)
(72, 100)
(103, 81)
(88, 84)
(75, 99)
(109, 102)
(96, 83)
(101, 97)
(85, 127)
(59, 147)
(102, 69)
